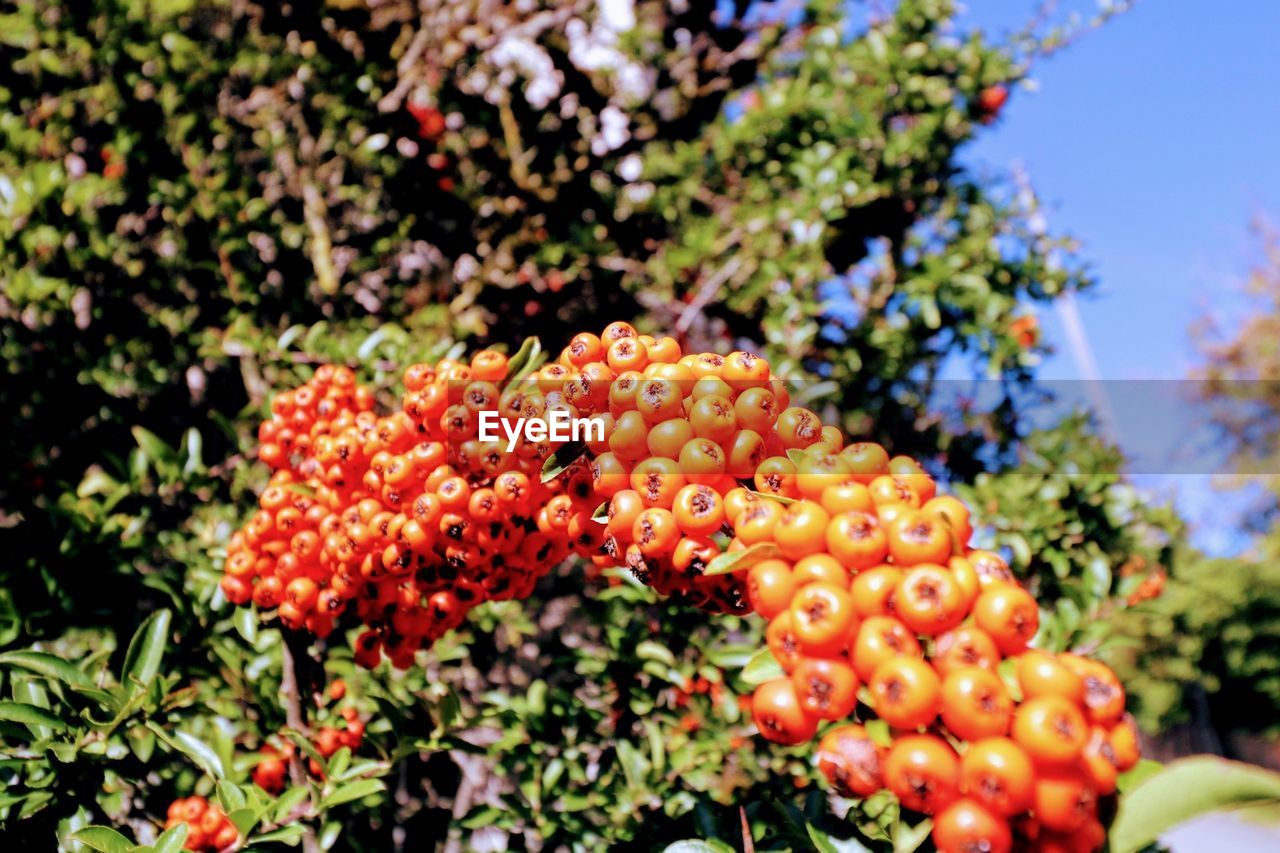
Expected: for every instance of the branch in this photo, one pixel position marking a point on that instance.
(295, 647)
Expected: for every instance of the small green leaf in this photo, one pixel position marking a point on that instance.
(737, 561)
(172, 839)
(245, 620)
(146, 649)
(153, 446)
(650, 650)
(200, 753)
(526, 360)
(1185, 789)
(104, 839)
(697, 845)
(564, 456)
(907, 838)
(357, 790)
(762, 667)
(287, 802)
(30, 715)
(782, 499)
(287, 835)
(50, 666)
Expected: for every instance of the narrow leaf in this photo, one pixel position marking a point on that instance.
(737, 561)
(30, 715)
(354, 791)
(1185, 789)
(50, 666)
(146, 649)
(565, 456)
(103, 838)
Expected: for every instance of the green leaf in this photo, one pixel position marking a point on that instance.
(697, 845)
(287, 835)
(104, 839)
(762, 667)
(1185, 789)
(738, 561)
(172, 839)
(287, 801)
(10, 622)
(357, 790)
(30, 715)
(782, 499)
(245, 620)
(907, 839)
(564, 456)
(200, 753)
(526, 360)
(50, 666)
(146, 649)
(231, 797)
(153, 446)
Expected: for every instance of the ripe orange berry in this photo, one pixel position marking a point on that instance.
(820, 568)
(1123, 738)
(1063, 800)
(1010, 615)
(827, 689)
(928, 600)
(999, 773)
(923, 771)
(655, 532)
(851, 761)
(1051, 729)
(822, 618)
(905, 692)
(917, 537)
(778, 714)
(800, 529)
(770, 585)
(1042, 674)
(856, 540)
(967, 826)
(1103, 693)
(975, 704)
(1098, 761)
(783, 642)
(698, 510)
(879, 639)
(873, 591)
(965, 646)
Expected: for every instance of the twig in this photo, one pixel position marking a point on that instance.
(748, 843)
(706, 292)
(295, 645)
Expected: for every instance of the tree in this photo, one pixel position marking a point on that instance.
(203, 202)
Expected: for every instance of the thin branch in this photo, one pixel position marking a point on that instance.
(295, 647)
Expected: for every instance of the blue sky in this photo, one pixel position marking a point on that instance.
(1153, 140)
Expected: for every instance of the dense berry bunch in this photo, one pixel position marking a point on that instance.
(408, 520)
(273, 765)
(876, 605)
(707, 484)
(207, 827)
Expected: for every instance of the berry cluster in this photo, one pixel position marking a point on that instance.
(718, 491)
(207, 827)
(272, 768)
(407, 520)
(874, 599)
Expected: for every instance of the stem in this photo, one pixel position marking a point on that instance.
(295, 648)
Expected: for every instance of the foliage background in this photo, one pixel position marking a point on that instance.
(201, 201)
